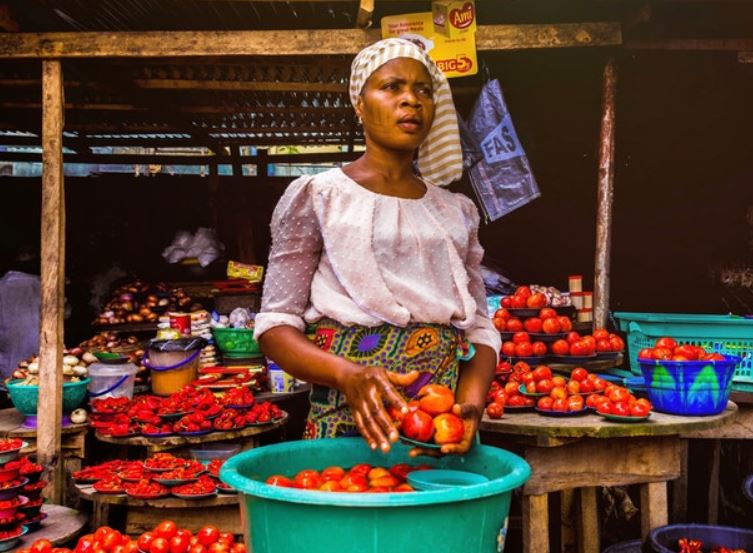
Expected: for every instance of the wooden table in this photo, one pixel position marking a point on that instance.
(144, 514)
(155, 445)
(587, 451)
(61, 525)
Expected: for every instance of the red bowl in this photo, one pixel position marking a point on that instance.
(9, 474)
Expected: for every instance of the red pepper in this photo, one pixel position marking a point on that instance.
(689, 546)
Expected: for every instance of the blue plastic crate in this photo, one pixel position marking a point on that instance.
(727, 334)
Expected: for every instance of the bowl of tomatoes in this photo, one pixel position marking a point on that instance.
(684, 379)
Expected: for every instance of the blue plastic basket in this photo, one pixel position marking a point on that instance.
(726, 334)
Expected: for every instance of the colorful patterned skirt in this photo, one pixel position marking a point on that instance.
(430, 349)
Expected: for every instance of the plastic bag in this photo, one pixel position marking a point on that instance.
(203, 245)
(498, 167)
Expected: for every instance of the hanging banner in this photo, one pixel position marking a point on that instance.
(456, 57)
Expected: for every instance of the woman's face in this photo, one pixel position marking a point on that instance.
(397, 104)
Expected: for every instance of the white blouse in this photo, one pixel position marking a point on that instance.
(342, 251)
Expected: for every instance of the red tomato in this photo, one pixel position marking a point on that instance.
(666, 342)
(131, 547)
(551, 326)
(418, 425)
(572, 337)
(618, 394)
(639, 410)
(575, 403)
(545, 403)
(185, 533)
(41, 546)
(307, 479)
(209, 534)
(559, 404)
(579, 373)
(533, 324)
(436, 399)
(603, 345)
(229, 537)
(197, 548)
(537, 300)
(662, 353)
(179, 544)
(520, 337)
(524, 349)
(573, 387)
(495, 410)
(604, 406)
(686, 350)
(166, 529)
(716, 357)
(590, 344)
(579, 348)
(333, 473)
(523, 291)
(511, 389)
(111, 540)
(159, 545)
(547, 313)
(587, 386)
(238, 548)
(558, 381)
(499, 323)
(506, 302)
(566, 325)
(600, 334)
(219, 547)
(514, 325)
(544, 386)
(101, 533)
(145, 541)
(621, 408)
(539, 348)
(542, 372)
(508, 349)
(518, 302)
(502, 314)
(617, 343)
(560, 347)
(646, 353)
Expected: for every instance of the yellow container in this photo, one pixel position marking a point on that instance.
(173, 364)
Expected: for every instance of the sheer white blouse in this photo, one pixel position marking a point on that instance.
(342, 251)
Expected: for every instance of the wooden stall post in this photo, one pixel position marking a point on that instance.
(49, 451)
(605, 196)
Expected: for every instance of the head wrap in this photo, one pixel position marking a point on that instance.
(440, 157)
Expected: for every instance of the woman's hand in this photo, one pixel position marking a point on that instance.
(470, 416)
(367, 390)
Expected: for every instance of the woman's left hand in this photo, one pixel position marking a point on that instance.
(470, 415)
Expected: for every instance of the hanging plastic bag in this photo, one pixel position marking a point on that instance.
(498, 167)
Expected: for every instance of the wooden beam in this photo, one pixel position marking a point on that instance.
(721, 45)
(172, 159)
(745, 57)
(287, 43)
(605, 196)
(241, 86)
(52, 280)
(365, 14)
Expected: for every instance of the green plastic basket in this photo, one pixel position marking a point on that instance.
(287, 520)
(726, 334)
(236, 342)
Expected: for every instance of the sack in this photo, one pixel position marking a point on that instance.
(498, 167)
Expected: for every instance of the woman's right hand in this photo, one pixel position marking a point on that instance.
(368, 389)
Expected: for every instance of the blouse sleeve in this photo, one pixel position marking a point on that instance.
(482, 331)
(293, 259)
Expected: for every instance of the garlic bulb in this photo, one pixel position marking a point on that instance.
(79, 416)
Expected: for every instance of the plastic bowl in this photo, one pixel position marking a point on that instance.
(11, 543)
(692, 388)
(10, 511)
(9, 474)
(470, 518)
(236, 341)
(443, 479)
(218, 450)
(25, 397)
(664, 539)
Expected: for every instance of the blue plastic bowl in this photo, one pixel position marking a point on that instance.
(440, 479)
(25, 397)
(693, 388)
(664, 539)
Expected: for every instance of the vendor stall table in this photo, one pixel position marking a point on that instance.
(587, 451)
(246, 436)
(61, 526)
(144, 514)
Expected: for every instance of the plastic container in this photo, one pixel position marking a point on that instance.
(471, 518)
(217, 450)
(112, 379)
(694, 388)
(632, 546)
(664, 539)
(725, 334)
(25, 397)
(173, 363)
(236, 342)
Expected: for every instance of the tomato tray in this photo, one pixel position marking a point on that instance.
(572, 359)
(563, 414)
(170, 482)
(625, 419)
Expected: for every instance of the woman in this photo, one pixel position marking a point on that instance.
(385, 262)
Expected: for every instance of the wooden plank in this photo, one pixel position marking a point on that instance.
(680, 488)
(739, 428)
(568, 540)
(300, 42)
(52, 280)
(174, 159)
(682, 44)
(594, 426)
(745, 57)
(594, 462)
(653, 506)
(605, 196)
(535, 523)
(227, 518)
(588, 521)
(713, 487)
(240, 86)
(88, 493)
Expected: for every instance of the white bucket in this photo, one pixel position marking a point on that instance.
(112, 380)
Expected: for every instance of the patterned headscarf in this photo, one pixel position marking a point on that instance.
(440, 157)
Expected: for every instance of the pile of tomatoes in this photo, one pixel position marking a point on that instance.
(548, 321)
(618, 401)
(362, 478)
(166, 537)
(429, 417)
(668, 349)
(524, 298)
(601, 341)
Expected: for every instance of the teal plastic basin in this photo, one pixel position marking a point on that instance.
(287, 520)
(25, 397)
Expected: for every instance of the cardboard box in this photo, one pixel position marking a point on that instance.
(454, 18)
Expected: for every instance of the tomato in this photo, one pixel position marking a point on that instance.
(511, 389)
(279, 480)
(145, 541)
(111, 540)
(579, 348)
(86, 544)
(573, 387)
(639, 410)
(193, 541)
(495, 410)
(560, 347)
(520, 337)
(544, 386)
(559, 404)
(186, 534)
(600, 334)
(166, 529)
(179, 544)
(604, 406)
(219, 547)
(101, 533)
(514, 325)
(533, 324)
(518, 302)
(716, 357)
(524, 349)
(579, 373)
(523, 291)
(499, 323)
(209, 534)
(537, 300)
(527, 378)
(662, 353)
(545, 403)
(592, 400)
(617, 343)
(542, 372)
(508, 349)
(587, 386)
(502, 314)
(621, 408)
(547, 313)
(558, 381)
(646, 403)
(159, 545)
(551, 325)
(197, 548)
(41, 546)
(506, 302)
(539, 348)
(618, 394)
(666, 342)
(685, 350)
(238, 548)
(531, 387)
(575, 403)
(131, 547)
(119, 549)
(603, 345)
(590, 344)
(229, 537)
(333, 473)
(646, 353)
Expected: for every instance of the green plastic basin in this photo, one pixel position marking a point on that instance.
(286, 520)
(25, 398)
